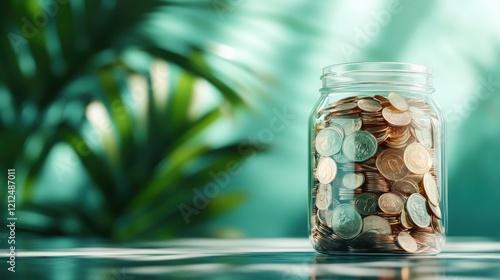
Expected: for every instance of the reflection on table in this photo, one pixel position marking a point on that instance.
(244, 259)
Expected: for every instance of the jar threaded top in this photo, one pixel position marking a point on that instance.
(394, 74)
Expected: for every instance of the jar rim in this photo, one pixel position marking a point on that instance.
(376, 66)
(363, 75)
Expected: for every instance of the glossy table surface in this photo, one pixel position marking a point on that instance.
(462, 258)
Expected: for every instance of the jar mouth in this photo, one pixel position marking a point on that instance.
(378, 73)
(346, 68)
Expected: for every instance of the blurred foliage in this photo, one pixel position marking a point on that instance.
(93, 55)
(62, 59)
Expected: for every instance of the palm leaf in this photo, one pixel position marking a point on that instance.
(95, 166)
(80, 45)
(197, 68)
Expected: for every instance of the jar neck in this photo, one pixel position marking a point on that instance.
(370, 76)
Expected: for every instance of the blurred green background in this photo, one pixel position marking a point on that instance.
(157, 119)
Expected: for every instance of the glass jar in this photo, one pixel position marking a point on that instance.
(377, 161)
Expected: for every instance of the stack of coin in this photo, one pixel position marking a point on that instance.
(376, 179)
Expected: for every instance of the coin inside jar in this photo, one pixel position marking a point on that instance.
(346, 222)
(379, 159)
(417, 158)
(369, 105)
(324, 196)
(349, 124)
(391, 203)
(395, 117)
(417, 210)
(397, 101)
(359, 146)
(366, 203)
(325, 216)
(404, 220)
(435, 210)
(376, 224)
(405, 187)
(407, 242)
(326, 170)
(329, 140)
(431, 189)
(353, 180)
(391, 165)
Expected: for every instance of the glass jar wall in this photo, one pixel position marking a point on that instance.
(377, 168)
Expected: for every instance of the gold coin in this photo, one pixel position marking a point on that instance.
(383, 100)
(347, 100)
(404, 221)
(395, 117)
(391, 203)
(407, 242)
(373, 129)
(338, 108)
(435, 210)
(415, 178)
(417, 158)
(399, 131)
(391, 165)
(404, 187)
(431, 189)
(438, 226)
(343, 108)
(398, 101)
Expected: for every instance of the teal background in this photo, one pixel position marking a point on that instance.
(458, 41)
(275, 52)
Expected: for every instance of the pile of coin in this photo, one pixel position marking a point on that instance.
(376, 182)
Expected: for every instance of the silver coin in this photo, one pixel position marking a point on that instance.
(325, 216)
(376, 224)
(349, 124)
(353, 180)
(329, 140)
(340, 157)
(323, 196)
(424, 136)
(366, 203)
(346, 221)
(359, 146)
(326, 170)
(417, 210)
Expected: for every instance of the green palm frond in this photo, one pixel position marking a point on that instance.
(67, 52)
